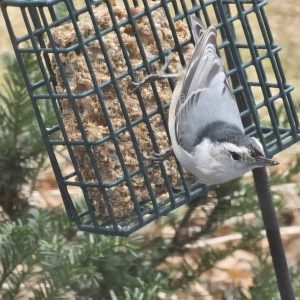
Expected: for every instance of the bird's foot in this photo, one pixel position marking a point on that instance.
(153, 77)
(157, 158)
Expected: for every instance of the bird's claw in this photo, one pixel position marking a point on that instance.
(153, 77)
(136, 85)
(133, 86)
(157, 158)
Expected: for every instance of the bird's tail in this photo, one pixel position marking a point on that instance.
(198, 29)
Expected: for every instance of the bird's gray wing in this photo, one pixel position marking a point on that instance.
(196, 76)
(206, 96)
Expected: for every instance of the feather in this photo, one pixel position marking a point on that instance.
(205, 95)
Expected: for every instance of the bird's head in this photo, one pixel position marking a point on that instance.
(228, 153)
(244, 154)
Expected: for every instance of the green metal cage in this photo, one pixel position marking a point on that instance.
(253, 66)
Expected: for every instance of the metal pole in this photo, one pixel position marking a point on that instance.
(263, 191)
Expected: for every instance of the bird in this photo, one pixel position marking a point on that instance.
(206, 131)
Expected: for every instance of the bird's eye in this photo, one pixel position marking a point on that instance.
(235, 155)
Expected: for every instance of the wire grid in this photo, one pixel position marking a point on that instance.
(251, 58)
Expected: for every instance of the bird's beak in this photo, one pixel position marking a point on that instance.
(264, 161)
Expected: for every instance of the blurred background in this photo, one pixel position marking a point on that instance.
(213, 251)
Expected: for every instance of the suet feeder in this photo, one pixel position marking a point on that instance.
(88, 52)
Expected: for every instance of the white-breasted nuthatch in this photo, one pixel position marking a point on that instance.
(207, 134)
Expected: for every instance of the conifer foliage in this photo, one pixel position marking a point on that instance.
(21, 147)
